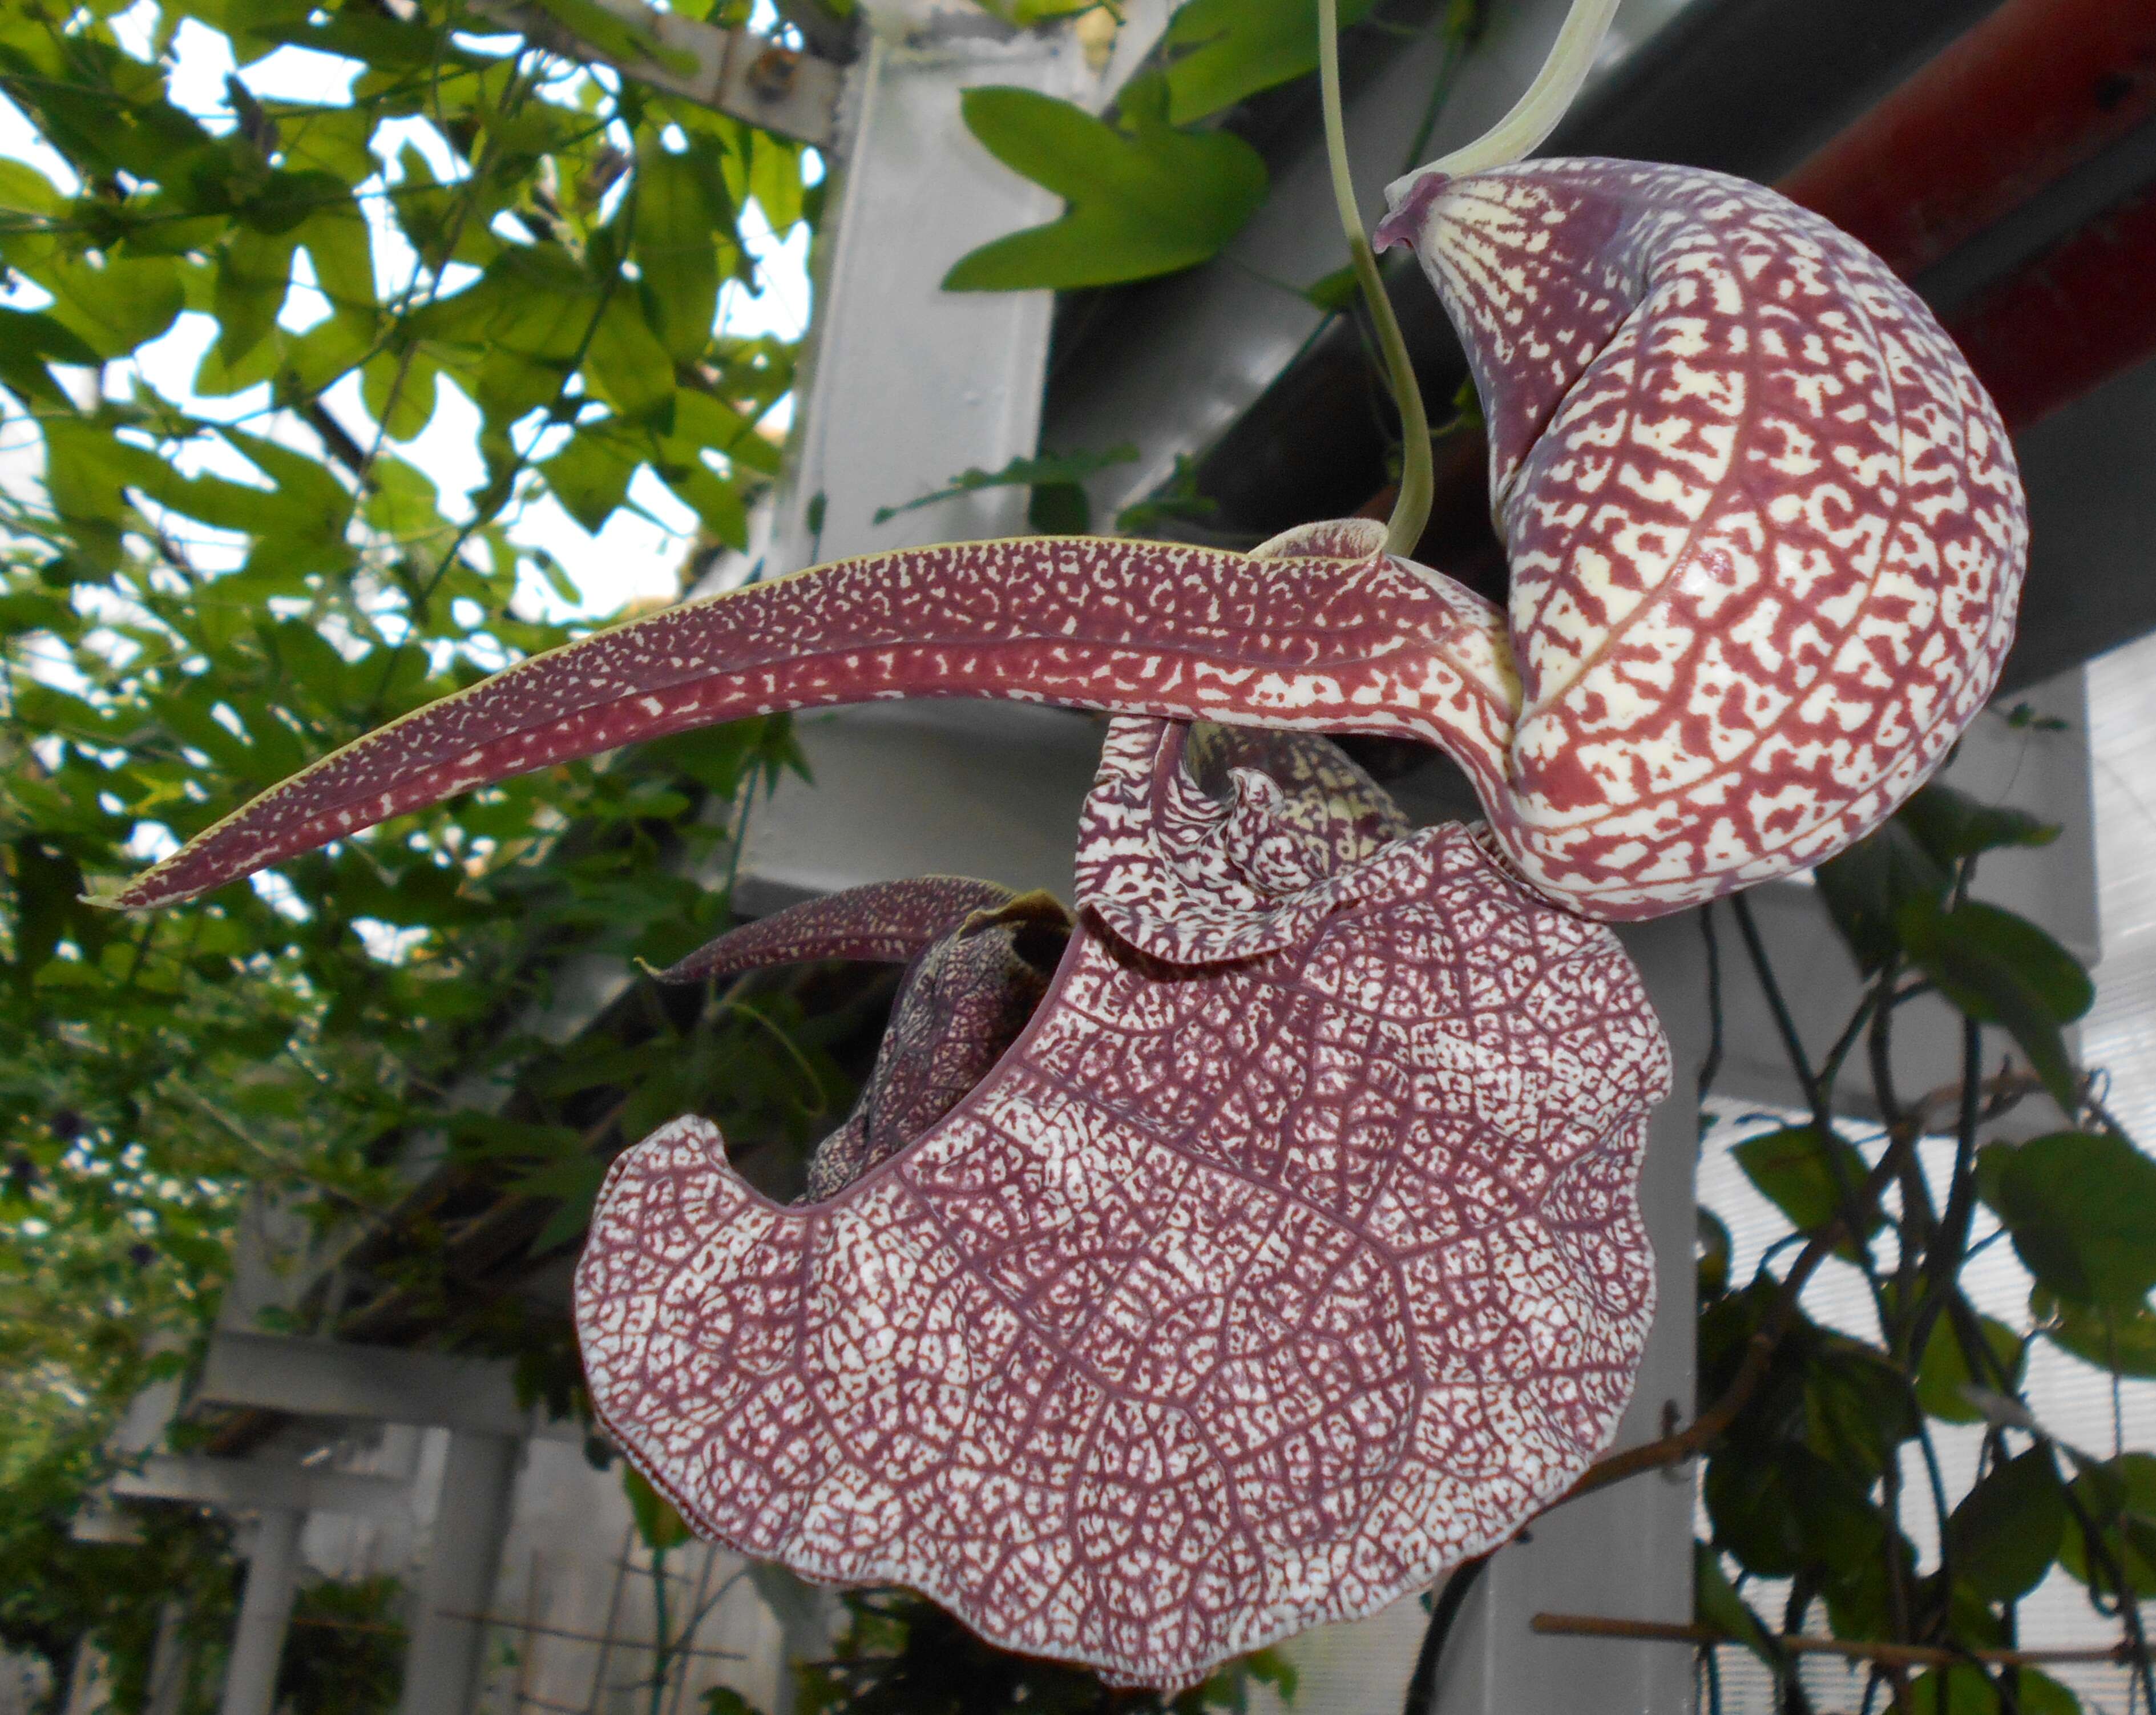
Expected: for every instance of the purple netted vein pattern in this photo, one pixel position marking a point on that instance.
(886, 922)
(1766, 534)
(1238, 1297)
(1766, 537)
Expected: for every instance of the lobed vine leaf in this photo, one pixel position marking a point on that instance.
(1143, 199)
(1220, 51)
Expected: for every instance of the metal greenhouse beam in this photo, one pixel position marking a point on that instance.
(739, 73)
(380, 1384)
(245, 1484)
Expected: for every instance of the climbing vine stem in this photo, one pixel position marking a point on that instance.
(1411, 506)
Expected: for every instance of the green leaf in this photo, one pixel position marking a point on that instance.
(676, 247)
(41, 336)
(575, 1184)
(703, 422)
(1335, 291)
(2001, 969)
(590, 475)
(2113, 1337)
(399, 391)
(2119, 1498)
(1857, 1411)
(112, 306)
(2056, 979)
(611, 38)
(715, 499)
(1026, 14)
(1220, 51)
(1142, 203)
(336, 237)
(656, 1521)
(1942, 1373)
(1712, 1254)
(1788, 1510)
(427, 214)
(1867, 886)
(1059, 509)
(1950, 824)
(631, 368)
(254, 272)
(23, 190)
(296, 366)
(1048, 470)
(404, 504)
(332, 140)
(774, 180)
(1716, 1605)
(2080, 1208)
(28, 340)
(1969, 1691)
(1179, 499)
(2004, 1534)
(1806, 1176)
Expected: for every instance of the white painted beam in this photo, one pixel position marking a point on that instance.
(905, 385)
(324, 1379)
(265, 1614)
(244, 1484)
(444, 1661)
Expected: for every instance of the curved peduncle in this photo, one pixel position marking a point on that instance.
(1536, 114)
(1418, 483)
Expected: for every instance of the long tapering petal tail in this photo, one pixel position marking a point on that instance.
(1376, 644)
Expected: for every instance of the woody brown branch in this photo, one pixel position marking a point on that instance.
(1886, 1654)
(2004, 1089)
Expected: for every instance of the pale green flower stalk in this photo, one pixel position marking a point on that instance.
(1532, 117)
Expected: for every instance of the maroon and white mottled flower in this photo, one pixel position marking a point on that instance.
(1766, 533)
(1765, 528)
(1286, 1251)
(978, 959)
(1289, 1256)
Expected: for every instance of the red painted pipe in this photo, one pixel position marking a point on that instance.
(2037, 87)
(2082, 311)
